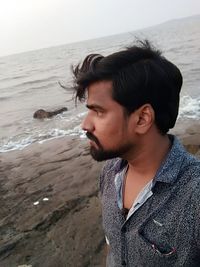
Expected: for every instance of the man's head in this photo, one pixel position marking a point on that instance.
(136, 79)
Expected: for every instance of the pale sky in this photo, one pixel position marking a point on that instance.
(32, 24)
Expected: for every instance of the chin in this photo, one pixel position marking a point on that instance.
(101, 155)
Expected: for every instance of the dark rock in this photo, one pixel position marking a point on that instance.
(43, 114)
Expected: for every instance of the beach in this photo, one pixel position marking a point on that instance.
(50, 206)
(50, 211)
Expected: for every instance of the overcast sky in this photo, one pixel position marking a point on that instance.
(32, 24)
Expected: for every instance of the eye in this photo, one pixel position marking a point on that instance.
(99, 113)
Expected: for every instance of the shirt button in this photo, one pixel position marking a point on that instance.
(123, 263)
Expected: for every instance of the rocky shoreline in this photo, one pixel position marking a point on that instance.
(50, 211)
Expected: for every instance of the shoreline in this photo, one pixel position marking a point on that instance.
(179, 130)
(51, 213)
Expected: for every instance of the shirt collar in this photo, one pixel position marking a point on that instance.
(169, 169)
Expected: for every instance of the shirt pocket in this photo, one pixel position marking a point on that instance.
(154, 254)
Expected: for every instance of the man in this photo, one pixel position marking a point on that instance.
(150, 185)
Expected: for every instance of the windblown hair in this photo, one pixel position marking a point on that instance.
(140, 75)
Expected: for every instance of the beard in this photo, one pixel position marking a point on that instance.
(101, 154)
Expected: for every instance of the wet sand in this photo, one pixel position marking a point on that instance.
(50, 211)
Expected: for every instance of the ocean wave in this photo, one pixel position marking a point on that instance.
(34, 82)
(3, 98)
(20, 143)
(40, 87)
(189, 107)
(39, 80)
(26, 91)
(8, 79)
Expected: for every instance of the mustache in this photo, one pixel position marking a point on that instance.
(92, 138)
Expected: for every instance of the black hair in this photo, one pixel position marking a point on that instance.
(140, 74)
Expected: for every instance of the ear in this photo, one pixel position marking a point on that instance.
(144, 119)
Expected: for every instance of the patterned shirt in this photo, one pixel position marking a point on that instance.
(164, 230)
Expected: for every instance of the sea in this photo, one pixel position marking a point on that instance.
(30, 81)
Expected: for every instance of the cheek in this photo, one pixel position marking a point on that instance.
(110, 131)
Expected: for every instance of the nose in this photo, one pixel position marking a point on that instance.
(87, 124)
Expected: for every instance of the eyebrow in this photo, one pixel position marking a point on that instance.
(94, 106)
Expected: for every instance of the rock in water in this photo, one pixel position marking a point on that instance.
(43, 114)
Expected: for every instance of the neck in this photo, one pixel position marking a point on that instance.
(147, 157)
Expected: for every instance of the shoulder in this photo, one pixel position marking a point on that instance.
(189, 175)
(189, 181)
(195, 206)
(191, 168)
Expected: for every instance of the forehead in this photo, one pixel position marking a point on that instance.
(100, 92)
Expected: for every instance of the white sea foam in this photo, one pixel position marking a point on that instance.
(82, 114)
(82, 134)
(21, 143)
(189, 107)
(17, 145)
